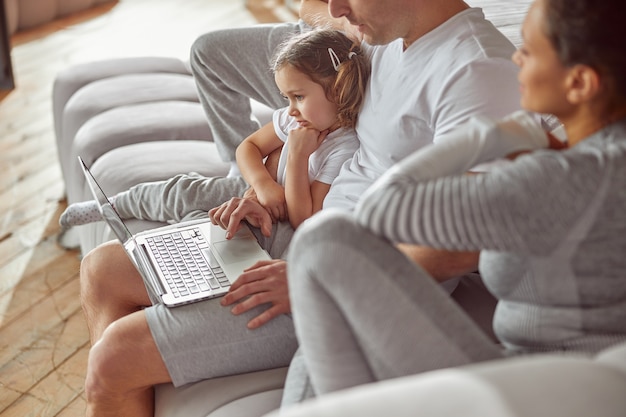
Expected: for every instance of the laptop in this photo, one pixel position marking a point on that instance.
(185, 262)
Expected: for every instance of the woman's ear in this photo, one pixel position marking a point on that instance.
(582, 83)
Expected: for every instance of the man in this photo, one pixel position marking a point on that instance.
(425, 81)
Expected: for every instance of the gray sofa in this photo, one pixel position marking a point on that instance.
(139, 119)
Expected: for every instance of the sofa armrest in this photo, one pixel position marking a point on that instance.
(542, 385)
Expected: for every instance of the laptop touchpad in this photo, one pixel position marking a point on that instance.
(236, 250)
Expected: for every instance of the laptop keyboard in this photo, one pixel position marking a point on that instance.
(180, 257)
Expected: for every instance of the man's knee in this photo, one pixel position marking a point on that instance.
(95, 267)
(206, 47)
(198, 50)
(106, 377)
(124, 359)
(98, 260)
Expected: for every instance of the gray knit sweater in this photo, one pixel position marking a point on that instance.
(552, 230)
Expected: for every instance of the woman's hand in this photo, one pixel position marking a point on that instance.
(555, 143)
(262, 283)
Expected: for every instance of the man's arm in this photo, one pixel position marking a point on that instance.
(441, 264)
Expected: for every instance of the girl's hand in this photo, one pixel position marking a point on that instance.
(271, 195)
(303, 141)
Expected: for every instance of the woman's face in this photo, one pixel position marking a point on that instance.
(542, 77)
(307, 100)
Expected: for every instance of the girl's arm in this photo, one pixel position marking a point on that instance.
(303, 197)
(250, 159)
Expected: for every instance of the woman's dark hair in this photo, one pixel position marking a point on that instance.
(344, 79)
(593, 33)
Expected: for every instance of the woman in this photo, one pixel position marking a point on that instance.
(550, 227)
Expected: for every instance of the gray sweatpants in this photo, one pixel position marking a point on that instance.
(231, 66)
(364, 312)
(187, 197)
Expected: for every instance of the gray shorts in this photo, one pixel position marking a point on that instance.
(205, 340)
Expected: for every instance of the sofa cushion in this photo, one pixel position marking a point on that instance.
(223, 396)
(614, 356)
(164, 121)
(72, 79)
(255, 405)
(113, 93)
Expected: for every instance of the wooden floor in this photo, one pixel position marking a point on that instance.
(43, 337)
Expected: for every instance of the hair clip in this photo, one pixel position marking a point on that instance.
(351, 54)
(334, 59)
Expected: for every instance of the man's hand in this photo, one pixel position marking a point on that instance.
(264, 282)
(232, 213)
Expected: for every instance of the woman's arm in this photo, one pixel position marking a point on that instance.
(303, 197)
(387, 207)
(476, 142)
(250, 158)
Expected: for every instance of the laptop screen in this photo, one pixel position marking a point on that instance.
(106, 208)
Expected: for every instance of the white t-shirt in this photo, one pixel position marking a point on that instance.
(325, 163)
(461, 69)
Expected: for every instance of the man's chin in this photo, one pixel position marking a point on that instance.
(375, 40)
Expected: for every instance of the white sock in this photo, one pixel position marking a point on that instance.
(234, 170)
(81, 213)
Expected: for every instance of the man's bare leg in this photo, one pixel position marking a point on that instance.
(124, 363)
(123, 367)
(110, 288)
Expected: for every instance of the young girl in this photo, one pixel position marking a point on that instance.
(323, 75)
(550, 227)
